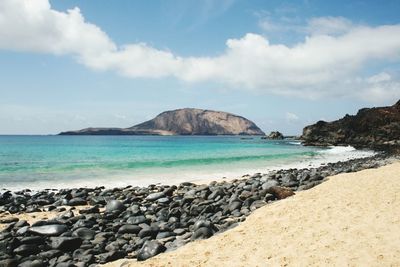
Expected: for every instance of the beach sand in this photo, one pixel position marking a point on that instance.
(33, 217)
(350, 220)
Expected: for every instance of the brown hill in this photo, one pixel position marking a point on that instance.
(187, 121)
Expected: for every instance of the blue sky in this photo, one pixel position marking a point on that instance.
(117, 63)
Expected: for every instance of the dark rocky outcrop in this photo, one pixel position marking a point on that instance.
(377, 128)
(275, 135)
(187, 121)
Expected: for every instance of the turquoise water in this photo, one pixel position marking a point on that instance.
(66, 161)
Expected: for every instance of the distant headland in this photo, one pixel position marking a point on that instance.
(187, 121)
(376, 128)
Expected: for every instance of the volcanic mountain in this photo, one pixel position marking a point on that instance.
(187, 121)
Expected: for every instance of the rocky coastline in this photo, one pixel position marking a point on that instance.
(141, 222)
(373, 128)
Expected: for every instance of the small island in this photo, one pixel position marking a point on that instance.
(187, 121)
(274, 135)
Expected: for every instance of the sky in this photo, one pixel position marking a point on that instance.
(69, 64)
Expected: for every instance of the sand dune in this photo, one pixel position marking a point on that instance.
(351, 220)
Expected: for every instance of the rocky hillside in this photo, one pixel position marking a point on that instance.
(369, 128)
(186, 121)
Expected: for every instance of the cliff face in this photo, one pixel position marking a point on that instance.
(369, 128)
(186, 121)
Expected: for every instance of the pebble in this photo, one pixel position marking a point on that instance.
(49, 230)
(66, 243)
(115, 205)
(150, 249)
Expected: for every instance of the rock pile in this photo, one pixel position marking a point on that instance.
(141, 222)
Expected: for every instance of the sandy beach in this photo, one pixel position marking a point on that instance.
(352, 219)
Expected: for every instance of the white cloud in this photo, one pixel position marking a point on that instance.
(329, 25)
(378, 78)
(291, 117)
(379, 89)
(282, 24)
(323, 64)
(33, 26)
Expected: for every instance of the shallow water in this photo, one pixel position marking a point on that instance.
(69, 161)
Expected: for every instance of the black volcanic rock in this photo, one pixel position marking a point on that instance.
(369, 128)
(187, 121)
(274, 136)
(150, 249)
(49, 230)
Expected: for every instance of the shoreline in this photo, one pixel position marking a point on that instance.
(350, 220)
(195, 174)
(171, 216)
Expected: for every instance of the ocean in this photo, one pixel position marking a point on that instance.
(39, 162)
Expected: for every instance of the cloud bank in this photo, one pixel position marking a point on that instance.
(327, 63)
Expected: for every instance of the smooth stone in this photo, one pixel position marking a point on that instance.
(115, 205)
(269, 183)
(134, 209)
(180, 231)
(201, 223)
(34, 263)
(67, 215)
(84, 233)
(23, 230)
(97, 200)
(235, 205)
(50, 208)
(213, 194)
(269, 197)
(245, 194)
(31, 209)
(163, 200)
(49, 230)
(83, 256)
(152, 232)
(9, 263)
(65, 264)
(27, 249)
(113, 246)
(308, 185)
(202, 233)
(136, 219)
(110, 256)
(129, 229)
(87, 259)
(236, 213)
(4, 235)
(21, 223)
(49, 254)
(155, 196)
(84, 224)
(36, 240)
(90, 210)
(64, 258)
(162, 235)
(66, 243)
(150, 249)
(257, 204)
(9, 220)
